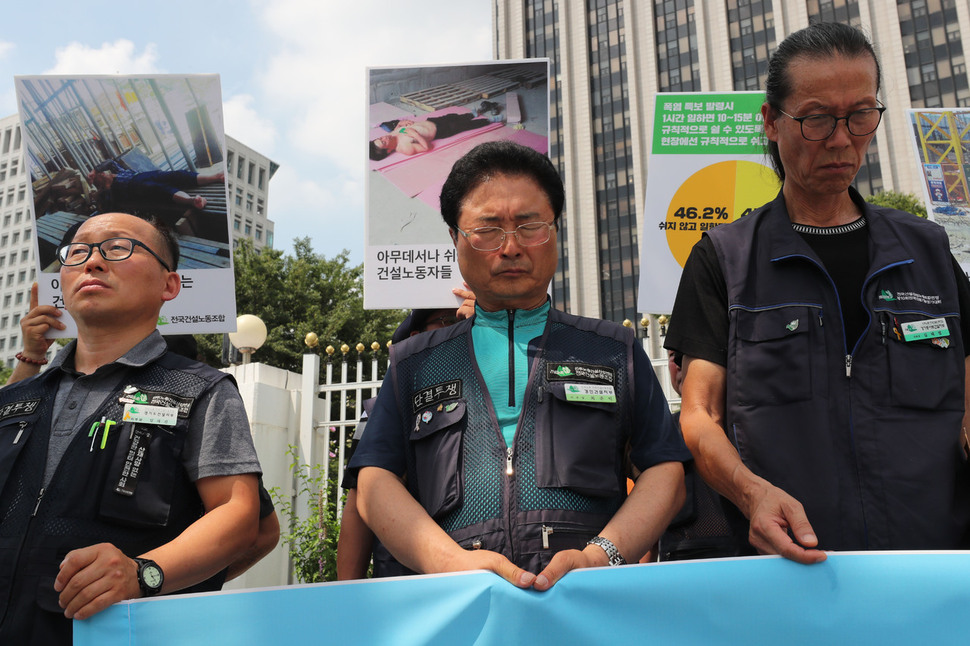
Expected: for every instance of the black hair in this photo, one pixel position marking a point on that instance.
(485, 161)
(168, 238)
(376, 152)
(821, 40)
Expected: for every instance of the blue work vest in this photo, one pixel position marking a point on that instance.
(564, 476)
(867, 437)
(133, 492)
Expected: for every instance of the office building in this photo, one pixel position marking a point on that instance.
(611, 57)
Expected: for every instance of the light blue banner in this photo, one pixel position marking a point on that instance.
(866, 598)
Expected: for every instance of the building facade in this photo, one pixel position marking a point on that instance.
(248, 173)
(611, 57)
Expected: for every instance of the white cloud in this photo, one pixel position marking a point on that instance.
(118, 57)
(247, 125)
(326, 47)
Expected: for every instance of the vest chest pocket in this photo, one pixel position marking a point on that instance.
(140, 481)
(923, 371)
(436, 440)
(14, 433)
(576, 444)
(774, 354)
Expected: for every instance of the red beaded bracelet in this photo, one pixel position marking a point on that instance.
(37, 362)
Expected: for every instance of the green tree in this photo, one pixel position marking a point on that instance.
(302, 293)
(902, 201)
(5, 374)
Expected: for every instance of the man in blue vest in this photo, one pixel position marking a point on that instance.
(503, 442)
(125, 470)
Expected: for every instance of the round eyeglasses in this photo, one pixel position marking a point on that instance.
(816, 127)
(530, 234)
(113, 249)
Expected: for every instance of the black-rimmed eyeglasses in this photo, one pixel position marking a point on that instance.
(816, 127)
(530, 234)
(113, 249)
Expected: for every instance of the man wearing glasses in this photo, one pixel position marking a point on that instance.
(127, 471)
(503, 442)
(824, 338)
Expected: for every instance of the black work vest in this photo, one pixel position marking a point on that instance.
(867, 437)
(562, 479)
(133, 493)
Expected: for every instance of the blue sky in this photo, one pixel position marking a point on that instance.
(293, 78)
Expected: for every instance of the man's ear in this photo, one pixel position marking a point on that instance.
(454, 236)
(769, 117)
(173, 285)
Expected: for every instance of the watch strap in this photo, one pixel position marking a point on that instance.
(607, 545)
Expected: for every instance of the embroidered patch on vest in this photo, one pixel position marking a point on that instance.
(23, 407)
(434, 394)
(133, 395)
(571, 371)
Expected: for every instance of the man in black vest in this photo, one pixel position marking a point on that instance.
(503, 442)
(127, 471)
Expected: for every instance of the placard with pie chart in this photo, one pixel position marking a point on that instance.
(707, 168)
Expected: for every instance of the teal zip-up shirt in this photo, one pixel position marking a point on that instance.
(501, 342)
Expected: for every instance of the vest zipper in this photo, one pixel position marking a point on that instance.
(511, 314)
(40, 497)
(545, 531)
(509, 471)
(848, 365)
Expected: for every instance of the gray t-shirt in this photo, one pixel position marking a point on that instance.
(219, 441)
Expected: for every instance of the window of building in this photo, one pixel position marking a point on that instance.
(259, 234)
(21, 194)
(14, 165)
(6, 300)
(18, 217)
(6, 141)
(6, 220)
(249, 201)
(9, 279)
(260, 207)
(262, 179)
(20, 298)
(3, 322)
(240, 167)
(3, 344)
(25, 255)
(16, 320)
(16, 237)
(236, 225)
(27, 234)
(229, 158)
(251, 176)
(16, 138)
(22, 276)
(3, 240)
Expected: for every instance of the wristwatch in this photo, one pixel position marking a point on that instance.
(150, 577)
(611, 552)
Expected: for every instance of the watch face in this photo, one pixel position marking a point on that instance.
(152, 576)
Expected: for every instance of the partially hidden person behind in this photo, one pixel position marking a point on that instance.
(84, 526)
(356, 547)
(503, 442)
(825, 338)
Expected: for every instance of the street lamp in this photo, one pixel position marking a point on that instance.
(249, 336)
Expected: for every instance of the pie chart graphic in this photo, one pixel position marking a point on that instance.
(715, 195)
